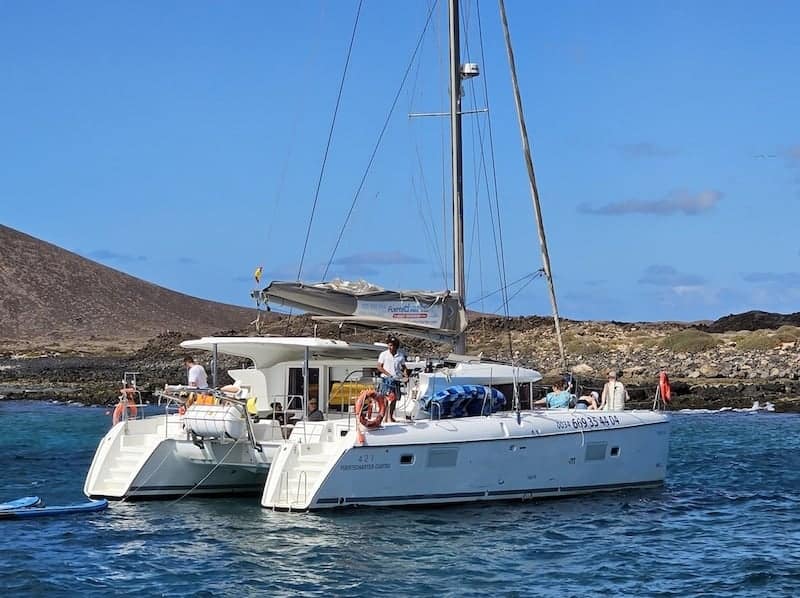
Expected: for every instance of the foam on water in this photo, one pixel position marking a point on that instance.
(727, 522)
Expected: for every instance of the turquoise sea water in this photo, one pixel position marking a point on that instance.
(726, 523)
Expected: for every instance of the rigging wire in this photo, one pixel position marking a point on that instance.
(528, 278)
(328, 144)
(497, 231)
(539, 273)
(308, 68)
(444, 141)
(428, 227)
(499, 242)
(378, 142)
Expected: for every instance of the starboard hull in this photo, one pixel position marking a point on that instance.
(491, 459)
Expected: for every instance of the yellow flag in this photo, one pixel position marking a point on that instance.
(257, 274)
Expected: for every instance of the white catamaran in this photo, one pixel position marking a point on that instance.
(455, 443)
(464, 448)
(220, 444)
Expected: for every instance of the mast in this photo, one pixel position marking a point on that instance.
(526, 148)
(460, 342)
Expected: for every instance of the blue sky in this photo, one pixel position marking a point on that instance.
(182, 142)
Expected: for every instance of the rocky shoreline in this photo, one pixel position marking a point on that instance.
(707, 370)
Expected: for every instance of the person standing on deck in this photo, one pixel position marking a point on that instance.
(196, 372)
(614, 394)
(392, 366)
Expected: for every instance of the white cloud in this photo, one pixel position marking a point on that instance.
(667, 276)
(680, 201)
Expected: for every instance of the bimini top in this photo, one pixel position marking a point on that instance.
(436, 316)
(266, 351)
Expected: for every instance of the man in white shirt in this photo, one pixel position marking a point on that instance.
(614, 394)
(197, 374)
(392, 366)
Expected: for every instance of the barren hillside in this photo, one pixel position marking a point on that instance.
(49, 295)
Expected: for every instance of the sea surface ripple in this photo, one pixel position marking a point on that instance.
(727, 522)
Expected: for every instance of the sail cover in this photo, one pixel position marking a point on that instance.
(438, 316)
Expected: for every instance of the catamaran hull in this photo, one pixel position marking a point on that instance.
(552, 459)
(135, 461)
(178, 467)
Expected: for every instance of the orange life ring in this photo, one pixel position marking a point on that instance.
(120, 408)
(370, 409)
(664, 387)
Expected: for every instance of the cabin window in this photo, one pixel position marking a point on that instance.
(615, 451)
(595, 451)
(295, 388)
(406, 459)
(344, 386)
(442, 457)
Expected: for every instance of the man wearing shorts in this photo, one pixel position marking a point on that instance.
(392, 366)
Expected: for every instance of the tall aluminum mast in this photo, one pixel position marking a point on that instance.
(460, 343)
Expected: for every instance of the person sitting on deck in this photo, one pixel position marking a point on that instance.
(557, 399)
(588, 400)
(314, 414)
(278, 414)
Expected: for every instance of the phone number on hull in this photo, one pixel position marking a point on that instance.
(589, 422)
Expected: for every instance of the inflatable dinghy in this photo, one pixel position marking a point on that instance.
(87, 507)
(21, 503)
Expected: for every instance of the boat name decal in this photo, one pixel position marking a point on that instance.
(365, 462)
(364, 466)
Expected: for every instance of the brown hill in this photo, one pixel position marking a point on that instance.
(50, 295)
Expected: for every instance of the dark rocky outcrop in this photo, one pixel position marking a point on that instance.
(751, 320)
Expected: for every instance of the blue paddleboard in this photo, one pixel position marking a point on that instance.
(87, 507)
(21, 503)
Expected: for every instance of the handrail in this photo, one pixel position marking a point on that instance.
(487, 395)
(350, 415)
(302, 475)
(241, 405)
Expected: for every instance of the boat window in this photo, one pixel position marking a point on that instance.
(615, 451)
(442, 457)
(296, 383)
(595, 451)
(344, 386)
(406, 459)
